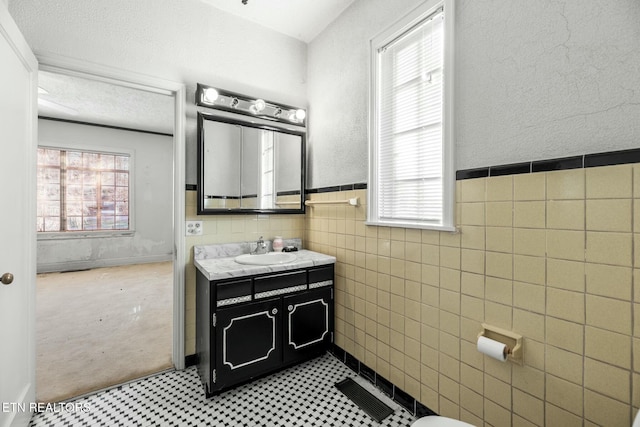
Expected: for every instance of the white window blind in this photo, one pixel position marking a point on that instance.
(410, 133)
(409, 142)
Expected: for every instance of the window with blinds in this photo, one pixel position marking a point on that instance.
(408, 166)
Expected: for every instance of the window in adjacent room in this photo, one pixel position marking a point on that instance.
(82, 191)
(411, 176)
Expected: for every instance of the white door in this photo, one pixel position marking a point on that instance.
(18, 121)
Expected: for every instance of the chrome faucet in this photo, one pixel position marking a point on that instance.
(261, 247)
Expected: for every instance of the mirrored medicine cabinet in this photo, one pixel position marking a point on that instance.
(249, 167)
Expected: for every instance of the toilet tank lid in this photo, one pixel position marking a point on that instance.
(437, 421)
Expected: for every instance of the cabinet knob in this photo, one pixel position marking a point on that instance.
(290, 308)
(274, 311)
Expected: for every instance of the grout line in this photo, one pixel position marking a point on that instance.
(633, 284)
(546, 275)
(584, 284)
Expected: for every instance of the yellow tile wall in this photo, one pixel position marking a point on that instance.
(227, 229)
(548, 255)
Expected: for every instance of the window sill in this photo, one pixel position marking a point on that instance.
(447, 228)
(70, 235)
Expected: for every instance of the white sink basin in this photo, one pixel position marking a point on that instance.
(270, 258)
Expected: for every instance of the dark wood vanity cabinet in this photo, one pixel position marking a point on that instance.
(251, 326)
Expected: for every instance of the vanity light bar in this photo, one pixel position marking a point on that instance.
(211, 97)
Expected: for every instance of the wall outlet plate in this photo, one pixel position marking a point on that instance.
(194, 228)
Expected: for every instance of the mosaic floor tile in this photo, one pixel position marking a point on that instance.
(301, 396)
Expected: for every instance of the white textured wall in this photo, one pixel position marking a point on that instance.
(535, 80)
(338, 87)
(153, 201)
(544, 79)
(186, 41)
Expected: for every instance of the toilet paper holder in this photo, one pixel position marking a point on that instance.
(512, 340)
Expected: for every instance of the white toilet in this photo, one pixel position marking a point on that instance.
(436, 421)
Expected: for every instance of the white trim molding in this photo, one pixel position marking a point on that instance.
(378, 44)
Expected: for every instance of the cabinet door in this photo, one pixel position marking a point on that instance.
(308, 323)
(248, 341)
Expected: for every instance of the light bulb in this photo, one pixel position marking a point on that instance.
(259, 105)
(297, 116)
(210, 95)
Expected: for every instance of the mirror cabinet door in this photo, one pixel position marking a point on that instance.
(220, 162)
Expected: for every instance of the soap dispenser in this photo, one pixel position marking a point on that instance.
(277, 244)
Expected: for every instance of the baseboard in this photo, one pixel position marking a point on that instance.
(190, 360)
(100, 263)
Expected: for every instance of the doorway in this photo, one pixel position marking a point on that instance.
(147, 293)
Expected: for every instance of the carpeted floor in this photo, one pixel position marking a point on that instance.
(101, 327)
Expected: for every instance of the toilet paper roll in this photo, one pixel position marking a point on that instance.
(493, 348)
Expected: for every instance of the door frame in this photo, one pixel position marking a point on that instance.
(88, 70)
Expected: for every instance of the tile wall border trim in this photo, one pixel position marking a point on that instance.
(194, 187)
(346, 187)
(609, 158)
(398, 395)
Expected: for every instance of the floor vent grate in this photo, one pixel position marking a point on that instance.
(366, 401)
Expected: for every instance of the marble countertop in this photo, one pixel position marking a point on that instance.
(227, 268)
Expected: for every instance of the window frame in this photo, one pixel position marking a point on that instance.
(414, 18)
(83, 234)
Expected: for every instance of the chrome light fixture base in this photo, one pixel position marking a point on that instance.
(212, 97)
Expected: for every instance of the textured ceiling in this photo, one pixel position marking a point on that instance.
(91, 101)
(301, 19)
(79, 99)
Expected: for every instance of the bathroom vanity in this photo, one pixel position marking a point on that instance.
(255, 319)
